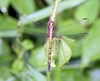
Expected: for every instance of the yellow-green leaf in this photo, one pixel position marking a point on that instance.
(18, 65)
(27, 44)
(64, 52)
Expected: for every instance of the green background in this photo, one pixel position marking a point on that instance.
(18, 48)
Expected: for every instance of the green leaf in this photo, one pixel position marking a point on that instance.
(70, 41)
(35, 75)
(46, 47)
(61, 48)
(89, 10)
(29, 78)
(5, 72)
(5, 51)
(74, 75)
(8, 33)
(46, 12)
(8, 27)
(4, 3)
(91, 46)
(18, 65)
(8, 22)
(77, 50)
(24, 6)
(65, 50)
(28, 44)
(38, 58)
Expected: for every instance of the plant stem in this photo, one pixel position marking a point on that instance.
(52, 18)
(48, 75)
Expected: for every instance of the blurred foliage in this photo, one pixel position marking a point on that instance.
(19, 49)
